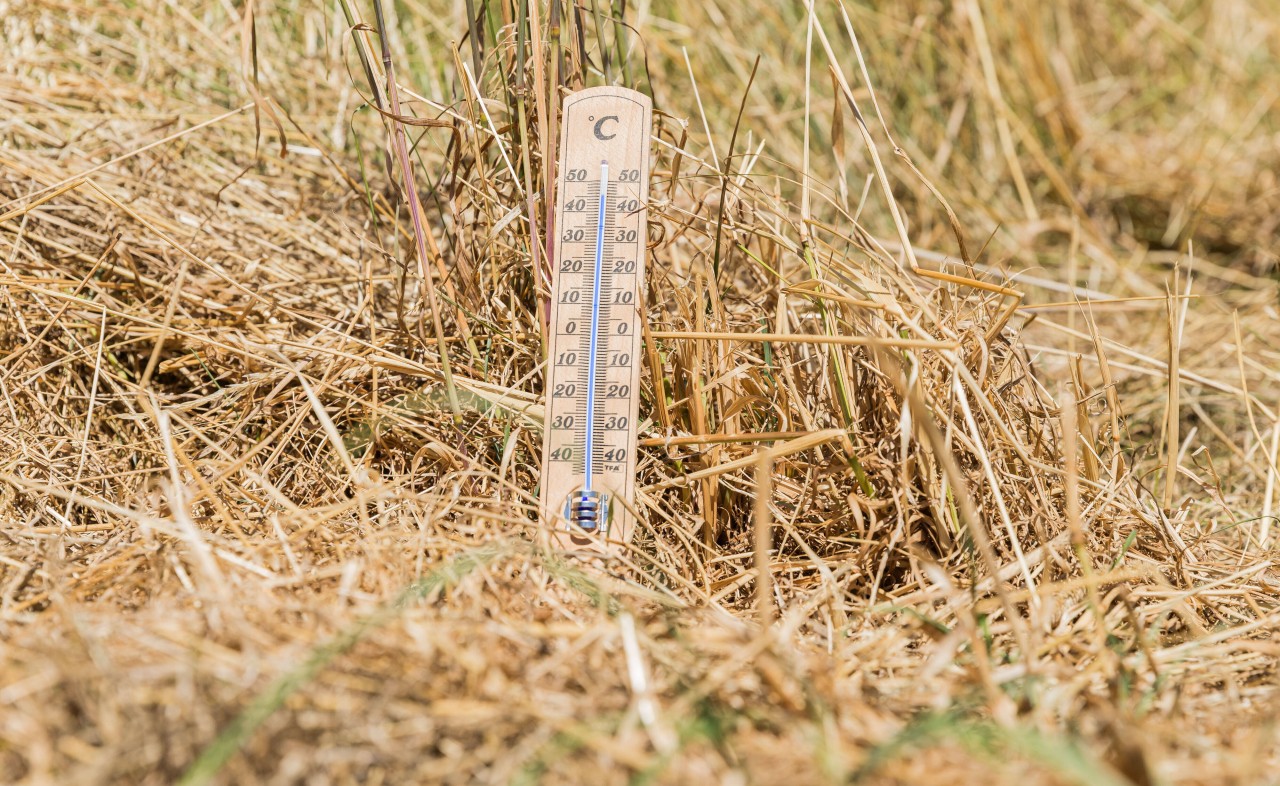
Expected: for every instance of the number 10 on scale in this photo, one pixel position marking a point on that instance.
(593, 369)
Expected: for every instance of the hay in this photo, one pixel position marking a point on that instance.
(1017, 531)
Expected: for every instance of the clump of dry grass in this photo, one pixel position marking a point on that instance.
(986, 495)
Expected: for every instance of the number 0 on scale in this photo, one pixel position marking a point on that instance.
(593, 367)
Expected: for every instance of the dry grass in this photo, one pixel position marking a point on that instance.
(1025, 536)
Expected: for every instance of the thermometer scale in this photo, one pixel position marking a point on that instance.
(593, 366)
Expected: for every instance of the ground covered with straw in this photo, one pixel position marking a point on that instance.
(1004, 516)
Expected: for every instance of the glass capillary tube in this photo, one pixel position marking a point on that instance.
(595, 330)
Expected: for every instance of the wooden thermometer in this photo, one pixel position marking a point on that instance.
(593, 367)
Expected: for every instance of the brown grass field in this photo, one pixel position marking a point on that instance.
(1025, 534)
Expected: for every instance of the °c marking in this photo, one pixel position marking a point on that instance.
(599, 129)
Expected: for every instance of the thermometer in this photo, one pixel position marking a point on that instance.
(593, 367)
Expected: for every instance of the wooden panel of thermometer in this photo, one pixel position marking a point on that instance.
(593, 367)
